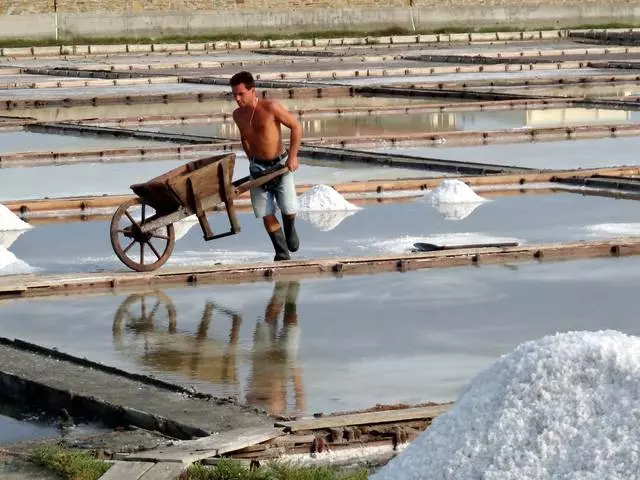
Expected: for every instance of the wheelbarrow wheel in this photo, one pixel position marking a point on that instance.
(140, 251)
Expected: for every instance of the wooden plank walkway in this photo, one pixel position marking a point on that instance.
(45, 285)
(143, 471)
(189, 451)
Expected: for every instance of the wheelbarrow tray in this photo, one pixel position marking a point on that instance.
(198, 185)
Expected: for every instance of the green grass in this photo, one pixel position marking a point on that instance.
(68, 464)
(231, 37)
(228, 469)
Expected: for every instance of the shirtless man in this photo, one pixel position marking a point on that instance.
(260, 124)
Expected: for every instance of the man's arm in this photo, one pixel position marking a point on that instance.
(288, 120)
(245, 144)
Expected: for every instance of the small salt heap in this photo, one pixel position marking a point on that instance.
(10, 221)
(11, 265)
(324, 207)
(11, 227)
(321, 198)
(454, 199)
(564, 406)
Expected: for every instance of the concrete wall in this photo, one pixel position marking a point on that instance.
(283, 22)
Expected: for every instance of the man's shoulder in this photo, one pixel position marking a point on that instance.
(272, 105)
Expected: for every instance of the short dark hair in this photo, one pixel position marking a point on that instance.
(243, 77)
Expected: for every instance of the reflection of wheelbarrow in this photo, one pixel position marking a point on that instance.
(193, 188)
(165, 349)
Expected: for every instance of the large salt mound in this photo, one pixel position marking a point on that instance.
(11, 265)
(453, 191)
(565, 406)
(10, 221)
(322, 198)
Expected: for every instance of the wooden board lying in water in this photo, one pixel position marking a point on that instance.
(432, 247)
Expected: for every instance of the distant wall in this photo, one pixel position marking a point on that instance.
(157, 18)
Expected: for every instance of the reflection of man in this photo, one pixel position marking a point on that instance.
(260, 122)
(275, 354)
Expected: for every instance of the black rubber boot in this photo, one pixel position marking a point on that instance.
(279, 245)
(293, 242)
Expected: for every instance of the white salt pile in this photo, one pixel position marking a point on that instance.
(453, 191)
(322, 198)
(10, 221)
(8, 237)
(613, 229)
(11, 265)
(564, 406)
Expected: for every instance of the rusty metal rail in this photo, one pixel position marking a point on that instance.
(525, 82)
(113, 155)
(45, 285)
(458, 138)
(603, 181)
(408, 161)
(434, 139)
(81, 129)
(34, 207)
(130, 99)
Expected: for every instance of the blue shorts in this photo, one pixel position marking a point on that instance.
(265, 198)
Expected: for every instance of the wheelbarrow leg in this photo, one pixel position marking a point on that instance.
(200, 213)
(227, 195)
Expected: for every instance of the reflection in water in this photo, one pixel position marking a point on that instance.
(145, 329)
(364, 125)
(150, 336)
(274, 366)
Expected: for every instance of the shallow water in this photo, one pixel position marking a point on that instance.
(334, 344)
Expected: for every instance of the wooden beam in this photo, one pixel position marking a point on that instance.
(369, 418)
(44, 285)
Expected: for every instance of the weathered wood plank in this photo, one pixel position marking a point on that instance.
(128, 470)
(163, 471)
(385, 416)
(190, 451)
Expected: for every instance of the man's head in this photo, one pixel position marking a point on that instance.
(243, 88)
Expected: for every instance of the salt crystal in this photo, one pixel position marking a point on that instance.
(453, 191)
(564, 406)
(321, 198)
(10, 221)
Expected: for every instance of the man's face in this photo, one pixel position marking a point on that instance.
(244, 97)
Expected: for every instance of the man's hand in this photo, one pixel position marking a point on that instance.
(292, 163)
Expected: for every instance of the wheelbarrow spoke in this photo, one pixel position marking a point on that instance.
(144, 209)
(153, 248)
(163, 237)
(141, 253)
(125, 250)
(133, 222)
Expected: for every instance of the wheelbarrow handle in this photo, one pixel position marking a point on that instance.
(245, 184)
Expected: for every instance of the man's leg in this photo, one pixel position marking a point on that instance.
(264, 207)
(277, 237)
(288, 203)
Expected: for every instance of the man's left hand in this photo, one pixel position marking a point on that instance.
(292, 163)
